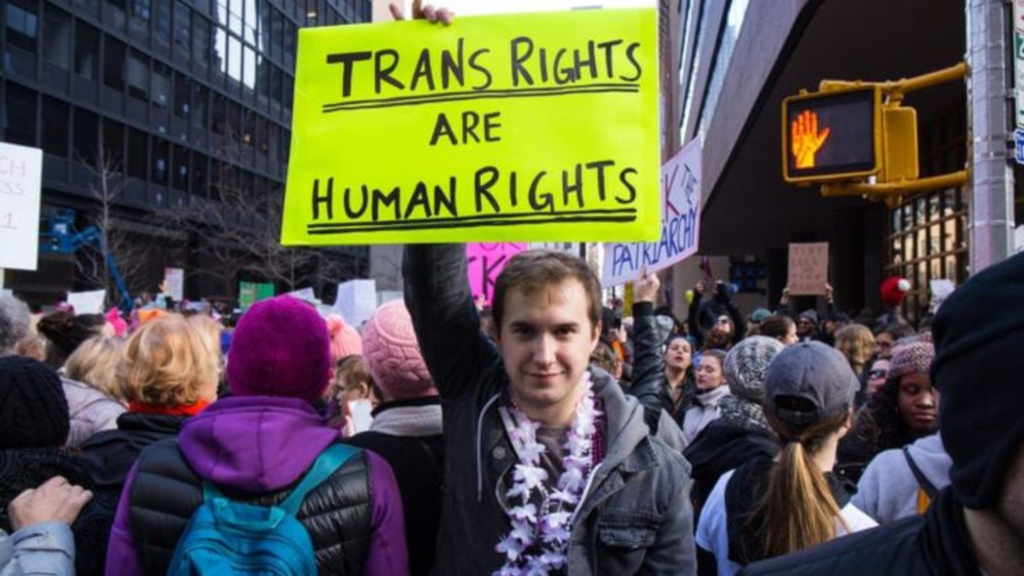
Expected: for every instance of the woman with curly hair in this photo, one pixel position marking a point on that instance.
(904, 409)
(857, 344)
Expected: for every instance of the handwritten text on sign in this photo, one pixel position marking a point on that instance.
(680, 228)
(485, 261)
(21, 173)
(808, 268)
(524, 127)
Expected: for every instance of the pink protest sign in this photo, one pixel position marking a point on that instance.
(486, 261)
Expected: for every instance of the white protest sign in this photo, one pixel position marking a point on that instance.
(90, 302)
(808, 269)
(680, 225)
(306, 294)
(174, 281)
(357, 299)
(941, 289)
(21, 177)
(388, 295)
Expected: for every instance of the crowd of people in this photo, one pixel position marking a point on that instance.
(523, 447)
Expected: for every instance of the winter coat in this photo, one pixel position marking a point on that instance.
(730, 536)
(109, 455)
(650, 386)
(255, 448)
(408, 434)
(703, 411)
(888, 489)
(24, 468)
(634, 518)
(91, 411)
(935, 544)
(45, 548)
(721, 447)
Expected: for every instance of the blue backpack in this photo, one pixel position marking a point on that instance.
(225, 537)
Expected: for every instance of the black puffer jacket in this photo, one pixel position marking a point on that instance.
(650, 386)
(166, 492)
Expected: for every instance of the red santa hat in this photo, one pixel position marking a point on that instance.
(893, 291)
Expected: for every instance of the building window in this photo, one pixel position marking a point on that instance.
(19, 122)
(161, 84)
(723, 56)
(200, 41)
(182, 95)
(138, 75)
(113, 147)
(115, 10)
(87, 50)
(57, 36)
(55, 127)
(180, 180)
(22, 24)
(113, 63)
(199, 174)
(85, 137)
(161, 162)
(219, 119)
(162, 22)
(138, 156)
(200, 103)
(182, 27)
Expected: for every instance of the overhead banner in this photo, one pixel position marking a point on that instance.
(537, 127)
(680, 227)
(21, 174)
(485, 261)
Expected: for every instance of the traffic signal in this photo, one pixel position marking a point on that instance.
(832, 135)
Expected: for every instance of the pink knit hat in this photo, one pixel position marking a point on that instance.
(393, 354)
(345, 340)
(911, 358)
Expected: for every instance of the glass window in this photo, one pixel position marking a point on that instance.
(87, 51)
(19, 121)
(249, 68)
(199, 174)
(161, 84)
(116, 12)
(273, 140)
(277, 33)
(57, 36)
(220, 48)
(234, 58)
(249, 127)
(113, 63)
(261, 134)
(22, 24)
(723, 56)
(161, 162)
(200, 41)
(234, 129)
(200, 106)
(182, 27)
(214, 181)
(290, 39)
(137, 153)
(113, 146)
(138, 75)
(141, 11)
(219, 116)
(180, 180)
(162, 22)
(182, 95)
(55, 126)
(288, 89)
(86, 137)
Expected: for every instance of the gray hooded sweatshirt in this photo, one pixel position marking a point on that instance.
(888, 490)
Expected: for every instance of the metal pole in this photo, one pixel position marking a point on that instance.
(990, 205)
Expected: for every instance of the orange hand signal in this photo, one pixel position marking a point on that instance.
(805, 141)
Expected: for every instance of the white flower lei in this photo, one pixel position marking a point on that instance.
(540, 537)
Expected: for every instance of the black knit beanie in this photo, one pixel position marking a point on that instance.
(977, 368)
(33, 408)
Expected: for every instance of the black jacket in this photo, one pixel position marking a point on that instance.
(109, 455)
(935, 544)
(166, 493)
(418, 464)
(650, 386)
(719, 448)
(634, 519)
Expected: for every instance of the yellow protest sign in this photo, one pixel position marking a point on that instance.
(536, 127)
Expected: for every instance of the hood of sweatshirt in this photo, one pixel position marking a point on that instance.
(255, 444)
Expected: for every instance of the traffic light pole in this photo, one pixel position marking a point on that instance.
(991, 188)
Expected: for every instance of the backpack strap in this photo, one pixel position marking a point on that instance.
(326, 464)
(922, 481)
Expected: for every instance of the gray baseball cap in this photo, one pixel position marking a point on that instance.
(815, 373)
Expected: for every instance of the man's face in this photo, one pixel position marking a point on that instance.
(883, 345)
(546, 339)
(804, 326)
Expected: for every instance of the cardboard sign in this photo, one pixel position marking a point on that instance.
(808, 269)
(174, 278)
(497, 128)
(485, 262)
(21, 176)
(357, 299)
(680, 227)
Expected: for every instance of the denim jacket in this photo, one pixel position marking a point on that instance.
(635, 517)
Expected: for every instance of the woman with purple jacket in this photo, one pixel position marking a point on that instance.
(254, 447)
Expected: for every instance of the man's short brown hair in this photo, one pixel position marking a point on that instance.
(534, 270)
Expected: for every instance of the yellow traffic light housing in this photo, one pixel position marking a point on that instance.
(835, 135)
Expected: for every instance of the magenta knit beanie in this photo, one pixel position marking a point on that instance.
(393, 354)
(911, 358)
(280, 348)
(345, 340)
